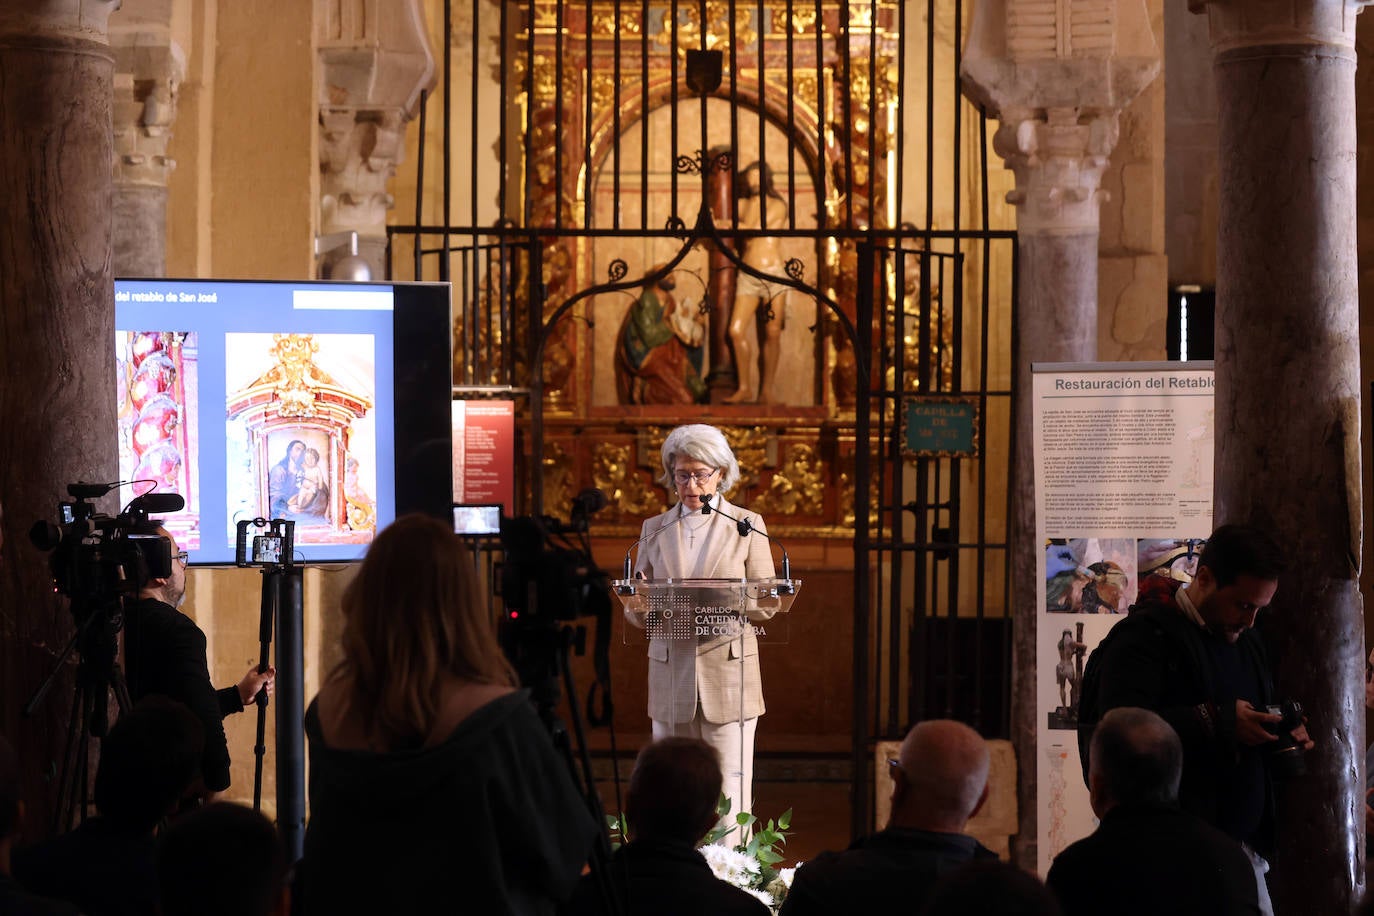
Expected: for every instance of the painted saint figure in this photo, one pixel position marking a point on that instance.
(755, 376)
(312, 493)
(284, 480)
(1068, 673)
(658, 359)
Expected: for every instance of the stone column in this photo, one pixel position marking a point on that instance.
(149, 68)
(57, 381)
(373, 69)
(1288, 395)
(1057, 88)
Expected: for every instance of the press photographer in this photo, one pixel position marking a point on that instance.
(1190, 654)
(164, 653)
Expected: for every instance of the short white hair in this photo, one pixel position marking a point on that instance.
(700, 442)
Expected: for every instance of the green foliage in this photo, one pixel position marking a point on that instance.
(765, 844)
(766, 840)
(619, 830)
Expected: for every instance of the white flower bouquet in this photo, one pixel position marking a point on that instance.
(751, 865)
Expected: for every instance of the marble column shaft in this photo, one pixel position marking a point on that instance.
(140, 238)
(57, 404)
(1056, 322)
(1288, 421)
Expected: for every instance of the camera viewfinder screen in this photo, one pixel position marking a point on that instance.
(477, 520)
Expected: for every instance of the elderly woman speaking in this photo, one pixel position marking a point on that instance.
(707, 687)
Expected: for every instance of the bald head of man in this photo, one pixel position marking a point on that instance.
(941, 777)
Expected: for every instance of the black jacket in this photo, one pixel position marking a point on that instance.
(891, 871)
(1144, 860)
(101, 867)
(656, 878)
(164, 653)
(1157, 660)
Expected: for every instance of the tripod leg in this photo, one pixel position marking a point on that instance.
(80, 784)
(121, 689)
(271, 585)
(68, 751)
(601, 851)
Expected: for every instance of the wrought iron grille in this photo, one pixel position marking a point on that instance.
(589, 150)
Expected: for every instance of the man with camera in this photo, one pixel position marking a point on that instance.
(164, 653)
(1190, 654)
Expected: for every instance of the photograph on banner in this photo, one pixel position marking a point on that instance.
(1062, 652)
(1123, 491)
(1172, 558)
(1090, 575)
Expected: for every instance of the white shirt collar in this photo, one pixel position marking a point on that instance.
(1185, 604)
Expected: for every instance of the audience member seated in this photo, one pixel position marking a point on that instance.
(222, 860)
(940, 781)
(431, 776)
(670, 806)
(990, 888)
(14, 901)
(1147, 855)
(148, 761)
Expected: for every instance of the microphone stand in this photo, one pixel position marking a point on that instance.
(745, 527)
(629, 566)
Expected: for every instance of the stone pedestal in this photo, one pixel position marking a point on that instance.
(56, 324)
(1057, 83)
(1288, 397)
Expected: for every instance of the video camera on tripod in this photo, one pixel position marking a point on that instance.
(97, 558)
(98, 561)
(547, 580)
(546, 576)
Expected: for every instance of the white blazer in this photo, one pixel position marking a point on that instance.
(708, 671)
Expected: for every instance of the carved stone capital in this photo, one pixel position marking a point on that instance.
(149, 69)
(359, 152)
(1237, 24)
(1058, 158)
(373, 69)
(1057, 73)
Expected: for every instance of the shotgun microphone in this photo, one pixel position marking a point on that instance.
(155, 503)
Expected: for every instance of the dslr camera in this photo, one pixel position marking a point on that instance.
(1286, 754)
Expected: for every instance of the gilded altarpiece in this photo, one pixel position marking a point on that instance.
(622, 158)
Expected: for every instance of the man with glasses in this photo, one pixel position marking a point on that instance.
(939, 781)
(164, 653)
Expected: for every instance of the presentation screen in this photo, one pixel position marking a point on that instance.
(326, 404)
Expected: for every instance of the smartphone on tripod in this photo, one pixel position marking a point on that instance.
(264, 543)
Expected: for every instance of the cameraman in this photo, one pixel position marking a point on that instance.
(1189, 653)
(164, 653)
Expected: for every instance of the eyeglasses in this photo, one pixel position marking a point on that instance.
(685, 477)
(181, 557)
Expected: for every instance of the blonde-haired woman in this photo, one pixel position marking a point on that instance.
(431, 775)
(708, 688)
